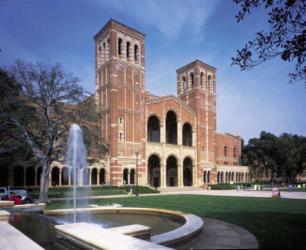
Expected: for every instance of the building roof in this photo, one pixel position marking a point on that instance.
(197, 61)
(112, 21)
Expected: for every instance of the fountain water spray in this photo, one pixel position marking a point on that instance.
(76, 157)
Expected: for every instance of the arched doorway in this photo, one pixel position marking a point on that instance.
(65, 176)
(3, 176)
(30, 176)
(94, 176)
(154, 171)
(187, 172)
(132, 176)
(171, 127)
(55, 176)
(187, 135)
(171, 172)
(153, 129)
(125, 176)
(18, 176)
(102, 176)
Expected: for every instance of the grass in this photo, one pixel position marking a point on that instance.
(63, 192)
(277, 223)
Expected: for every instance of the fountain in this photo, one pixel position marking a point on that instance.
(76, 157)
(104, 227)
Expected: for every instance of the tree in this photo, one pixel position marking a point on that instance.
(54, 96)
(12, 148)
(285, 38)
(284, 156)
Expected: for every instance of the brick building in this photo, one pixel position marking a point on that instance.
(158, 140)
(171, 139)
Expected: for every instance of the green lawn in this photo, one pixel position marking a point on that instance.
(277, 223)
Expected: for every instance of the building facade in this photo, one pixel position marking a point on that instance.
(171, 140)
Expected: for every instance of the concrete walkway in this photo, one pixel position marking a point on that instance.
(198, 191)
(12, 239)
(218, 234)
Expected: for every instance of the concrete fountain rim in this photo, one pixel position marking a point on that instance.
(193, 224)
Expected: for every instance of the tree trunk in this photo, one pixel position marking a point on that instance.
(44, 181)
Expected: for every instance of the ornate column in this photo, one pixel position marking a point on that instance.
(69, 177)
(179, 175)
(98, 177)
(89, 176)
(60, 177)
(163, 182)
(128, 177)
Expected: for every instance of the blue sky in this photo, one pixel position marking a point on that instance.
(177, 32)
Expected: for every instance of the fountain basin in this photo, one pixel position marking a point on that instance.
(192, 224)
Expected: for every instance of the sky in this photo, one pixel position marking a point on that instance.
(177, 33)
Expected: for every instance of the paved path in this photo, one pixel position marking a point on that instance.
(198, 191)
(218, 234)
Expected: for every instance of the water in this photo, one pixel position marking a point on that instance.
(76, 158)
(42, 227)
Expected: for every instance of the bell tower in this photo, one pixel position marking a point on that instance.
(196, 86)
(120, 93)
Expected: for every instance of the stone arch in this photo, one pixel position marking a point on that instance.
(30, 176)
(102, 176)
(187, 134)
(132, 176)
(125, 176)
(94, 176)
(225, 150)
(128, 49)
(209, 83)
(172, 171)
(171, 127)
(55, 176)
(187, 172)
(120, 42)
(86, 176)
(184, 84)
(136, 51)
(191, 75)
(153, 129)
(65, 176)
(154, 170)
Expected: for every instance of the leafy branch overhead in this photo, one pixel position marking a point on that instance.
(285, 37)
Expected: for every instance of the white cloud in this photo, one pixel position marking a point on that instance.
(167, 16)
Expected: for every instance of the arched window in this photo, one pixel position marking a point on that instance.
(119, 46)
(100, 49)
(202, 79)
(136, 53)
(234, 152)
(103, 45)
(120, 136)
(187, 135)
(153, 129)
(225, 151)
(171, 127)
(120, 120)
(184, 84)
(209, 83)
(128, 45)
(192, 80)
